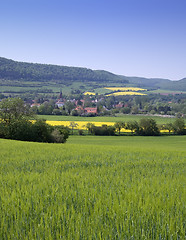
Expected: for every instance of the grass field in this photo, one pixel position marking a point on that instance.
(93, 188)
(125, 118)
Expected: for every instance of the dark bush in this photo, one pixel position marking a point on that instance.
(103, 131)
(41, 131)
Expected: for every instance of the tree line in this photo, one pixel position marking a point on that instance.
(145, 127)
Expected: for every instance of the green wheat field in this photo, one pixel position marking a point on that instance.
(94, 188)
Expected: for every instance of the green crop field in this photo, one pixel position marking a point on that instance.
(93, 188)
(120, 117)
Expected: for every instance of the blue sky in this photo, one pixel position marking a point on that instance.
(145, 38)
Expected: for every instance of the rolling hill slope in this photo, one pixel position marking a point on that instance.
(13, 71)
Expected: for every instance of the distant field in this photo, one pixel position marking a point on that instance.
(133, 89)
(166, 91)
(125, 118)
(93, 188)
(126, 93)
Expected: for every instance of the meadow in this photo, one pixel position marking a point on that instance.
(93, 188)
(119, 117)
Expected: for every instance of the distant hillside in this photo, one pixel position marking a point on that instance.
(167, 84)
(11, 71)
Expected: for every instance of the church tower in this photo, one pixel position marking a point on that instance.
(60, 95)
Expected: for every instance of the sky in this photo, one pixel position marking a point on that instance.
(144, 38)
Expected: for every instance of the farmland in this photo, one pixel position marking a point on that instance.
(126, 93)
(133, 89)
(93, 188)
(99, 121)
(120, 117)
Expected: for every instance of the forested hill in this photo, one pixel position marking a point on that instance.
(160, 83)
(12, 70)
(21, 71)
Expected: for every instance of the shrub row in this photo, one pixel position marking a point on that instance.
(39, 131)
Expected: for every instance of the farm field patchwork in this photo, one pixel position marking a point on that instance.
(93, 188)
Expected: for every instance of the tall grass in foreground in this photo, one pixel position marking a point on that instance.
(73, 191)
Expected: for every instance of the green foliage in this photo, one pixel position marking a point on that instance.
(115, 188)
(13, 109)
(145, 127)
(167, 126)
(90, 127)
(12, 70)
(179, 126)
(14, 124)
(72, 126)
(119, 125)
(104, 130)
(133, 126)
(41, 131)
(64, 133)
(148, 127)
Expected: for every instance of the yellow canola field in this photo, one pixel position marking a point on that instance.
(125, 93)
(89, 93)
(125, 89)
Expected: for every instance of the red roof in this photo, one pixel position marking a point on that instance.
(79, 108)
(91, 110)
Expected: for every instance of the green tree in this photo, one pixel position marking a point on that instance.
(168, 126)
(14, 109)
(60, 134)
(132, 126)
(148, 127)
(179, 126)
(69, 106)
(118, 126)
(72, 126)
(15, 124)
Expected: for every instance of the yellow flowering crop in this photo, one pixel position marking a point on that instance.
(125, 93)
(126, 89)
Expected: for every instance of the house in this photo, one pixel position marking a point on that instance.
(89, 110)
(79, 108)
(35, 105)
(119, 105)
(60, 104)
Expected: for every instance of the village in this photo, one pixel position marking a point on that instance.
(77, 106)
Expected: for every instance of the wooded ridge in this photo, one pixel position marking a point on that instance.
(22, 71)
